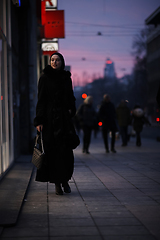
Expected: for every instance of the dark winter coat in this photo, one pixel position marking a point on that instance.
(123, 115)
(158, 97)
(138, 119)
(86, 115)
(55, 99)
(107, 114)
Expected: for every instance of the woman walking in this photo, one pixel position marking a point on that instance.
(54, 110)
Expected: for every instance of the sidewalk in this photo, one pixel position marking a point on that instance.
(115, 196)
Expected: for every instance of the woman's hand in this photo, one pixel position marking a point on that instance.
(39, 128)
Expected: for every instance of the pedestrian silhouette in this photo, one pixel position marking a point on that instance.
(107, 114)
(87, 117)
(124, 119)
(138, 120)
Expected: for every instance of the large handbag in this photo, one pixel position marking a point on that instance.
(38, 154)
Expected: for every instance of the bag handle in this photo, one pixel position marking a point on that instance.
(41, 141)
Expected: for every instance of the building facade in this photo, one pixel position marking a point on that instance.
(109, 71)
(153, 62)
(6, 106)
(19, 61)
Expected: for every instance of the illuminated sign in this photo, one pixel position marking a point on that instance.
(54, 26)
(51, 4)
(109, 62)
(49, 46)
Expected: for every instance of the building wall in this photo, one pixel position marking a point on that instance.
(153, 70)
(18, 80)
(24, 44)
(109, 70)
(6, 103)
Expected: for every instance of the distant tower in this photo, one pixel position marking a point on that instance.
(109, 69)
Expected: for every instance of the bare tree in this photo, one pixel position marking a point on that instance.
(139, 46)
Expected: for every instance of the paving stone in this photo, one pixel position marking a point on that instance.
(123, 230)
(138, 237)
(95, 193)
(67, 205)
(97, 207)
(149, 216)
(139, 202)
(66, 212)
(117, 221)
(70, 222)
(151, 191)
(109, 201)
(35, 207)
(108, 214)
(24, 238)
(27, 232)
(39, 196)
(73, 231)
(134, 192)
(77, 238)
(30, 220)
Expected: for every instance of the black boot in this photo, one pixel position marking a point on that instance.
(66, 187)
(113, 150)
(58, 189)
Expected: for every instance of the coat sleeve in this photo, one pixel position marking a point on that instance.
(71, 97)
(79, 113)
(101, 113)
(41, 104)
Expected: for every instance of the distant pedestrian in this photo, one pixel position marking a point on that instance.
(138, 120)
(124, 119)
(54, 111)
(87, 117)
(107, 114)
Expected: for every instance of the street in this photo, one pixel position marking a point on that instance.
(115, 196)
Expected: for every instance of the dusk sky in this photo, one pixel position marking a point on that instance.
(118, 21)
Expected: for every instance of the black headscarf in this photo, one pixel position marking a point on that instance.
(62, 59)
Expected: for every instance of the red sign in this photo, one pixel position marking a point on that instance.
(43, 12)
(50, 3)
(54, 26)
(48, 52)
